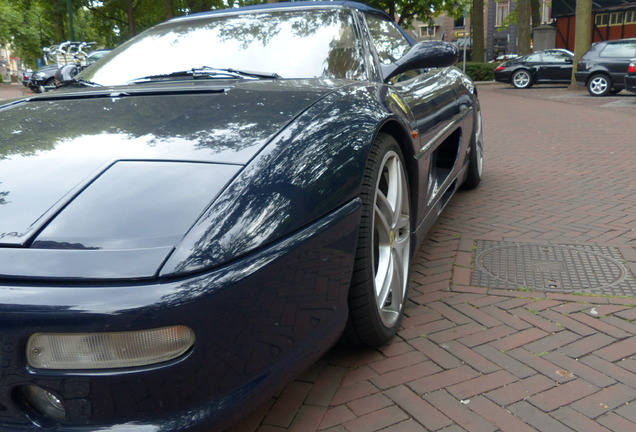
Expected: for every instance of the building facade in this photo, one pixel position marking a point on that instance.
(611, 19)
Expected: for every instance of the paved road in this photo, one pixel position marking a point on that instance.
(475, 355)
(485, 346)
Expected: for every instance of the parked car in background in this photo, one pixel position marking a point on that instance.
(603, 67)
(26, 77)
(548, 66)
(630, 78)
(43, 78)
(198, 217)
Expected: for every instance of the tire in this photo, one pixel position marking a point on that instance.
(521, 79)
(379, 286)
(43, 88)
(599, 85)
(475, 159)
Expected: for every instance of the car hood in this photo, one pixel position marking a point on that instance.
(73, 161)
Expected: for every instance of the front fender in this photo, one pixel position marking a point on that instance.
(311, 168)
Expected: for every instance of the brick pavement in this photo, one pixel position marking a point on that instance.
(559, 170)
(11, 91)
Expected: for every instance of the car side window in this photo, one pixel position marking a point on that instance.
(534, 58)
(621, 49)
(555, 57)
(389, 42)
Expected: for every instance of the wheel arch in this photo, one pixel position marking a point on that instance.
(403, 136)
(599, 72)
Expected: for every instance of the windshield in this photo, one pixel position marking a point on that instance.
(308, 43)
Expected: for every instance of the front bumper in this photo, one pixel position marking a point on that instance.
(258, 322)
(581, 78)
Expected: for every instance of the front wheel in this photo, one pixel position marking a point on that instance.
(475, 158)
(599, 85)
(521, 79)
(379, 285)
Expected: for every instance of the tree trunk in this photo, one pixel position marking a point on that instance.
(168, 9)
(535, 7)
(582, 35)
(477, 25)
(59, 30)
(130, 10)
(523, 27)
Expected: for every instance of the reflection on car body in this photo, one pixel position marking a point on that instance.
(194, 233)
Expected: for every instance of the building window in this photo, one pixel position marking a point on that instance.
(503, 9)
(630, 17)
(546, 12)
(427, 31)
(616, 18)
(601, 20)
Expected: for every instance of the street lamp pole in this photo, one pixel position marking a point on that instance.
(69, 8)
(466, 39)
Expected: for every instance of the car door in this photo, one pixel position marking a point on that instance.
(556, 66)
(534, 62)
(431, 98)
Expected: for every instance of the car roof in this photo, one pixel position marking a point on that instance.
(287, 5)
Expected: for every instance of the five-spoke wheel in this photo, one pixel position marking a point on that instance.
(380, 280)
(599, 85)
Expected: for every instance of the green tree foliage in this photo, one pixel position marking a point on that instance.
(405, 11)
(30, 25)
(33, 24)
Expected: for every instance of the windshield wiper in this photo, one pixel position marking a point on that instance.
(86, 83)
(206, 72)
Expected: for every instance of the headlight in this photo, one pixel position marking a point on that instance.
(107, 350)
(39, 75)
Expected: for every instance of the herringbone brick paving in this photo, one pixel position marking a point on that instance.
(559, 170)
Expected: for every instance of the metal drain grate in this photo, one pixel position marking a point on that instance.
(560, 268)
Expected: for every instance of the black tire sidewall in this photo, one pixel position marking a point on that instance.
(364, 326)
(473, 176)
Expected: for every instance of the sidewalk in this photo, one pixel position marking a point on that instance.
(522, 301)
(13, 90)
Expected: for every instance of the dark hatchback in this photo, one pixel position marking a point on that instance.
(603, 67)
(180, 238)
(541, 67)
(43, 79)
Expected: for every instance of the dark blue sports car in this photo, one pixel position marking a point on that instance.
(198, 217)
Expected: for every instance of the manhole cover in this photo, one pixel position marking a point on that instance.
(562, 268)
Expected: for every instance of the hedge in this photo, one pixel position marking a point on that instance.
(480, 71)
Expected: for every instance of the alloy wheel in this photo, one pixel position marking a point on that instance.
(392, 245)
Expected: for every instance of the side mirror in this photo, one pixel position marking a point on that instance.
(66, 73)
(423, 55)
